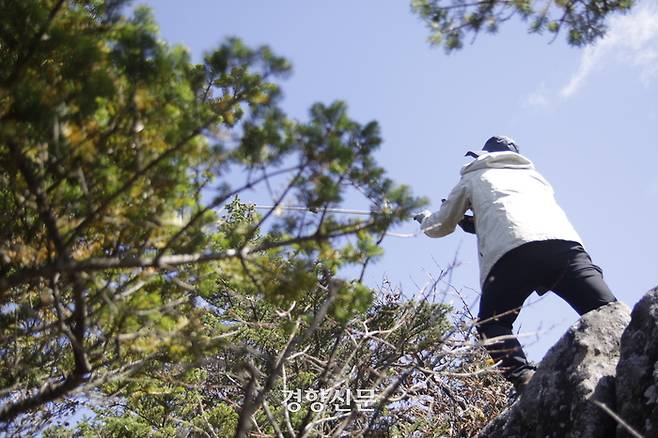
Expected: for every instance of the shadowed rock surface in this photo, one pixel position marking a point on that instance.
(578, 369)
(637, 371)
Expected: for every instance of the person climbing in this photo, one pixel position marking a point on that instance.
(525, 244)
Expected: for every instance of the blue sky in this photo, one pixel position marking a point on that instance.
(587, 118)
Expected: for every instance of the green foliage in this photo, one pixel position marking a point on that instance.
(451, 21)
(133, 278)
(389, 343)
(120, 164)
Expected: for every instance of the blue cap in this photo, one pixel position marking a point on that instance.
(497, 143)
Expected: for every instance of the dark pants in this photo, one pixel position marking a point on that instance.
(558, 265)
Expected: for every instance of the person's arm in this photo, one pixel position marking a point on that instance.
(444, 221)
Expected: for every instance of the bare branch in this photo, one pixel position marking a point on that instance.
(618, 419)
(166, 262)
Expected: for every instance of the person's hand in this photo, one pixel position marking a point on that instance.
(420, 217)
(467, 224)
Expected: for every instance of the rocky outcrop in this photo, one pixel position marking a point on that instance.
(609, 357)
(637, 371)
(579, 369)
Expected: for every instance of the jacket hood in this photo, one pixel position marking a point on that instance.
(498, 160)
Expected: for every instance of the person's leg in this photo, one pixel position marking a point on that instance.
(582, 285)
(504, 292)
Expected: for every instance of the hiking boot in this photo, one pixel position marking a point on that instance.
(521, 378)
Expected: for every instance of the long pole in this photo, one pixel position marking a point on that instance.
(331, 210)
(312, 210)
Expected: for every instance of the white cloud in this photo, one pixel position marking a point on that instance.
(538, 98)
(631, 39)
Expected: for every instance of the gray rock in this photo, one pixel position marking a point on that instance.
(637, 370)
(578, 369)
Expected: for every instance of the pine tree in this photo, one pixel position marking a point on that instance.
(450, 22)
(120, 164)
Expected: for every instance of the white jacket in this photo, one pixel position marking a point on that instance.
(512, 204)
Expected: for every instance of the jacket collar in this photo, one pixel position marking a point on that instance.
(498, 160)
